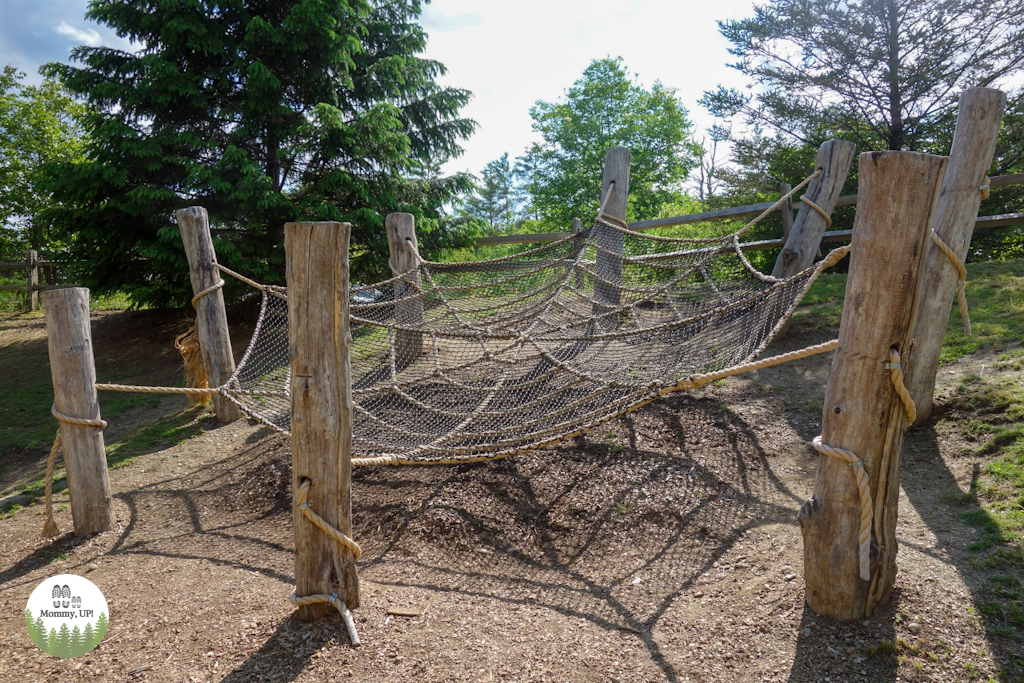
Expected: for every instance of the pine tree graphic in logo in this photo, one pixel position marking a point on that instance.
(66, 616)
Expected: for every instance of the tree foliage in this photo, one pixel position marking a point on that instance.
(879, 72)
(38, 125)
(603, 109)
(263, 111)
(497, 198)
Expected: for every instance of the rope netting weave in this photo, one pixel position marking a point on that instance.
(461, 362)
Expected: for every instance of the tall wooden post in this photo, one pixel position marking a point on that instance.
(974, 143)
(577, 245)
(401, 231)
(33, 280)
(834, 158)
(211, 316)
(69, 336)
(787, 212)
(608, 267)
(318, 348)
(862, 410)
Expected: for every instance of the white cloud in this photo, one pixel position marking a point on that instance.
(88, 36)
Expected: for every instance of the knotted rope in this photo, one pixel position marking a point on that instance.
(895, 369)
(50, 527)
(961, 283)
(301, 500)
(187, 344)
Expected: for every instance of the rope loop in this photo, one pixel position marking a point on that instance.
(209, 290)
(320, 522)
(864, 488)
(961, 283)
(895, 369)
(821, 211)
(50, 527)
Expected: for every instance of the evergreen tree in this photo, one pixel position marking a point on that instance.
(76, 645)
(88, 636)
(603, 109)
(878, 72)
(52, 642)
(34, 632)
(101, 629)
(496, 200)
(63, 647)
(263, 111)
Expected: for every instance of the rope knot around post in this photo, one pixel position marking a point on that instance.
(864, 488)
(50, 527)
(961, 283)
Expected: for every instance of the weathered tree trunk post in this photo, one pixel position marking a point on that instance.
(834, 158)
(317, 273)
(862, 412)
(69, 336)
(211, 316)
(33, 280)
(401, 231)
(787, 212)
(974, 143)
(608, 266)
(577, 244)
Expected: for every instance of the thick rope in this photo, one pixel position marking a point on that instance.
(187, 344)
(961, 283)
(822, 212)
(50, 528)
(896, 375)
(985, 188)
(866, 513)
(338, 603)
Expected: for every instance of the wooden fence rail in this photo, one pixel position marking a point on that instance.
(983, 222)
(32, 264)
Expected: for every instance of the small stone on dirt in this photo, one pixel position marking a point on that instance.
(914, 627)
(807, 632)
(790, 577)
(786, 569)
(93, 566)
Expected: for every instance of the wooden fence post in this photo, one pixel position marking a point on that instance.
(834, 158)
(211, 316)
(33, 280)
(974, 143)
(316, 256)
(862, 411)
(69, 337)
(404, 248)
(608, 266)
(787, 212)
(577, 244)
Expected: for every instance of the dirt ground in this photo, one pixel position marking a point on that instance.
(662, 547)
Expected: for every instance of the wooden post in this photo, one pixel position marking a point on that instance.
(401, 231)
(211, 316)
(608, 267)
(577, 243)
(33, 280)
(69, 336)
(862, 411)
(786, 211)
(317, 272)
(974, 143)
(834, 158)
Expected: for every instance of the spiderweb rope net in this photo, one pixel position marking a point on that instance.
(469, 361)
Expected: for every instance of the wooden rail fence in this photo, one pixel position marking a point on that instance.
(983, 222)
(32, 286)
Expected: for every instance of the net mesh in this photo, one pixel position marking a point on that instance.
(455, 362)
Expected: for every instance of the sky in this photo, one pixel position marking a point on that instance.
(508, 54)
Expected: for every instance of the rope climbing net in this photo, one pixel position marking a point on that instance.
(470, 361)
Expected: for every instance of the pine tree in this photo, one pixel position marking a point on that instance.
(63, 647)
(52, 642)
(76, 646)
(101, 629)
(34, 632)
(263, 111)
(496, 200)
(88, 636)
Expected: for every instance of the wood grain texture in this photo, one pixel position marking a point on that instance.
(609, 267)
(862, 411)
(974, 143)
(211, 315)
(834, 158)
(402, 243)
(787, 212)
(69, 337)
(319, 338)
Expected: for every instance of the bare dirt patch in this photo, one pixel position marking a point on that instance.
(662, 547)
